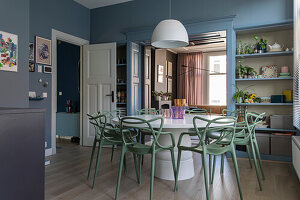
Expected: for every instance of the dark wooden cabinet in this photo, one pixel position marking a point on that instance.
(22, 154)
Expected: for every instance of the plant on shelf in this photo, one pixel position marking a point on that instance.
(261, 44)
(239, 96)
(252, 98)
(251, 73)
(249, 49)
(240, 71)
(157, 95)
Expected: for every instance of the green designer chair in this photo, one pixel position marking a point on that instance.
(245, 136)
(105, 134)
(226, 127)
(128, 125)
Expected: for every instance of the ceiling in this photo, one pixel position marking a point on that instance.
(205, 42)
(99, 3)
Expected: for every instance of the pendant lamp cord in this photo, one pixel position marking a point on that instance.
(170, 3)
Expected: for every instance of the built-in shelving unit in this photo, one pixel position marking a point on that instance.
(265, 87)
(121, 80)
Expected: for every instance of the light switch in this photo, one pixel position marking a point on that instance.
(40, 68)
(45, 94)
(60, 93)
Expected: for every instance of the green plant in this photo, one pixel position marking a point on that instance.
(250, 71)
(240, 95)
(262, 42)
(240, 70)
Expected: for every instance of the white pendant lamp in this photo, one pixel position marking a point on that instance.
(170, 33)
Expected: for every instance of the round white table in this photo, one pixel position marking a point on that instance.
(163, 162)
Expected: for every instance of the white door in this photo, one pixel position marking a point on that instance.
(135, 78)
(146, 97)
(98, 84)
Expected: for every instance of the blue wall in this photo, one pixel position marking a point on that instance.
(108, 23)
(63, 15)
(14, 85)
(68, 57)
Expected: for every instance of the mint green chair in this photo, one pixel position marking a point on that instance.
(199, 111)
(131, 125)
(105, 134)
(147, 111)
(224, 125)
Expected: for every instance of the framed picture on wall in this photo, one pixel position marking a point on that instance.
(8, 52)
(31, 51)
(31, 67)
(160, 73)
(42, 51)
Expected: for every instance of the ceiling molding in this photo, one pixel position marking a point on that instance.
(91, 4)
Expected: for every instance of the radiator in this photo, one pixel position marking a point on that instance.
(296, 154)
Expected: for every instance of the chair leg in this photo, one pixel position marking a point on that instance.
(256, 167)
(120, 170)
(125, 166)
(259, 159)
(213, 171)
(249, 156)
(237, 172)
(209, 165)
(92, 158)
(205, 174)
(222, 163)
(143, 142)
(173, 162)
(140, 168)
(152, 173)
(177, 170)
(112, 153)
(136, 167)
(97, 165)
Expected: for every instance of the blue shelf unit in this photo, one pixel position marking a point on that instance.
(267, 54)
(264, 30)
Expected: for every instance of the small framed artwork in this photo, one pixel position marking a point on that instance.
(31, 67)
(160, 74)
(8, 52)
(42, 51)
(31, 51)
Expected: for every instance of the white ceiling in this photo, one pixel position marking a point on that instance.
(99, 3)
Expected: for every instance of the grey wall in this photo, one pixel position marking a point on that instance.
(14, 85)
(108, 23)
(63, 15)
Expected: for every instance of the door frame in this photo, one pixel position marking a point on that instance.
(58, 35)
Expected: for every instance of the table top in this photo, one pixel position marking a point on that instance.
(185, 123)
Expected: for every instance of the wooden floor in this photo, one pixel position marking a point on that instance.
(66, 179)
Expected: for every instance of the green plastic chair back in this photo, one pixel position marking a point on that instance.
(199, 111)
(226, 125)
(147, 111)
(127, 124)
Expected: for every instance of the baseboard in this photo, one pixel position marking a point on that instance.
(48, 152)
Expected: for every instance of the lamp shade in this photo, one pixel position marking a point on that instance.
(170, 33)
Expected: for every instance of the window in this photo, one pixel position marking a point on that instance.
(217, 80)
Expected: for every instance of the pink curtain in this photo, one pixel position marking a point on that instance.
(189, 83)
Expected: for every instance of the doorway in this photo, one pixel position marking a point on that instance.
(58, 35)
(197, 72)
(68, 92)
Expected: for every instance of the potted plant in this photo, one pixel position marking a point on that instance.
(249, 72)
(261, 44)
(239, 96)
(240, 71)
(157, 95)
